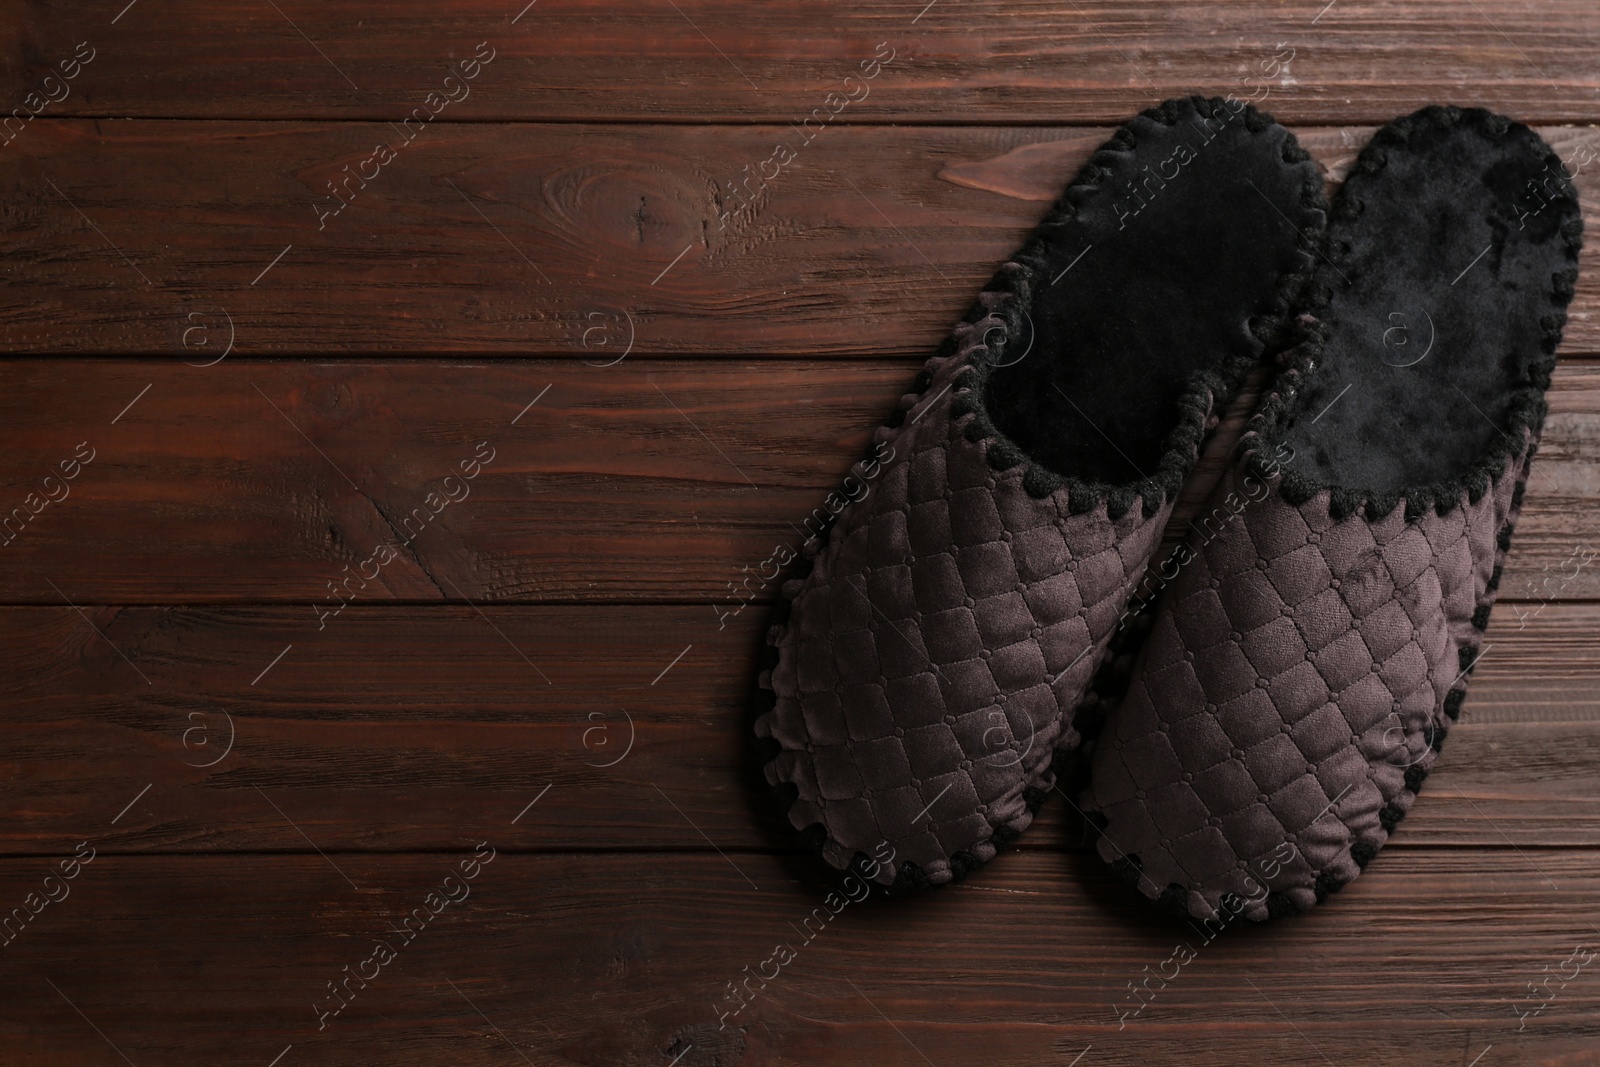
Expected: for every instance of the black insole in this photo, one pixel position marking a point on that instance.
(1159, 274)
(1440, 265)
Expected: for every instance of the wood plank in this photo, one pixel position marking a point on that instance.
(646, 481)
(552, 663)
(395, 727)
(626, 960)
(1090, 61)
(580, 241)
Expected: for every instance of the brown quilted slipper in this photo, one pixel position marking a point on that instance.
(1321, 623)
(919, 665)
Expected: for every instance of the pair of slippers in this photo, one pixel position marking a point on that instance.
(1258, 712)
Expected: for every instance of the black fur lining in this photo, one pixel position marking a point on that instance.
(1012, 292)
(1274, 417)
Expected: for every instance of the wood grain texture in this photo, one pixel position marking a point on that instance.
(397, 727)
(625, 960)
(644, 481)
(578, 241)
(699, 60)
(272, 376)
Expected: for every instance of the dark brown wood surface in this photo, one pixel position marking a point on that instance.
(725, 60)
(174, 238)
(597, 959)
(557, 666)
(644, 481)
(386, 728)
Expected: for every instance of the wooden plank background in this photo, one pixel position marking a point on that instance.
(699, 61)
(579, 241)
(652, 481)
(554, 272)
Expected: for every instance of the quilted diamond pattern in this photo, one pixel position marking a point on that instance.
(930, 652)
(1293, 689)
